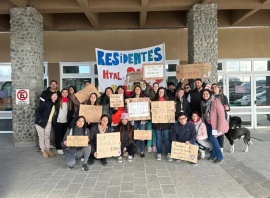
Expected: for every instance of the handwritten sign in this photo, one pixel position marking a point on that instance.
(116, 100)
(92, 113)
(135, 76)
(77, 141)
(191, 71)
(84, 94)
(153, 71)
(142, 134)
(184, 152)
(163, 112)
(108, 145)
(138, 108)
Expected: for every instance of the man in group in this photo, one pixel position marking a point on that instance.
(86, 83)
(46, 94)
(186, 90)
(195, 96)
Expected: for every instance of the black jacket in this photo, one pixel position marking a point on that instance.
(43, 112)
(46, 94)
(195, 100)
(185, 107)
(70, 114)
(183, 133)
(93, 137)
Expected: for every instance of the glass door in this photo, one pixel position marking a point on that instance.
(240, 95)
(262, 101)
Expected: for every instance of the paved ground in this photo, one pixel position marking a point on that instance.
(24, 173)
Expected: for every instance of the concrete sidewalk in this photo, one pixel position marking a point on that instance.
(24, 173)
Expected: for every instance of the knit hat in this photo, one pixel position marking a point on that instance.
(124, 116)
(208, 87)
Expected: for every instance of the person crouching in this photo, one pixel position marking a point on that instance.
(73, 153)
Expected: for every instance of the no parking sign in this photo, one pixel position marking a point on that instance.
(22, 96)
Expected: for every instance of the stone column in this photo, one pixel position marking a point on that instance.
(203, 36)
(26, 35)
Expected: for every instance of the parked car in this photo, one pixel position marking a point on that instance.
(260, 99)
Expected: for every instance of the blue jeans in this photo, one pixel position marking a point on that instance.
(139, 126)
(166, 134)
(153, 141)
(215, 152)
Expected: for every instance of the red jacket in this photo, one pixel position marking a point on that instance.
(217, 117)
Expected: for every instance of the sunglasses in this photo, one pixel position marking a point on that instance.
(186, 87)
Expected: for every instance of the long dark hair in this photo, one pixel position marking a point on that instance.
(176, 94)
(84, 126)
(157, 95)
(141, 93)
(210, 93)
(130, 130)
(73, 88)
(89, 101)
(104, 99)
(122, 87)
(69, 100)
(109, 121)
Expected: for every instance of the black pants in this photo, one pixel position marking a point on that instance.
(59, 131)
(131, 149)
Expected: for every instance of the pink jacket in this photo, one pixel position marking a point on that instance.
(217, 117)
(201, 130)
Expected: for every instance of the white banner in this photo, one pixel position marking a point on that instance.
(113, 66)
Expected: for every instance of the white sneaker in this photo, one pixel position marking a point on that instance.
(130, 158)
(221, 149)
(154, 149)
(202, 153)
(61, 152)
(120, 159)
(150, 149)
(169, 157)
(158, 156)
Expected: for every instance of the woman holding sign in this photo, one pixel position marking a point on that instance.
(117, 112)
(105, 101)
(71, 152)
(162, 129)
(100, 128)
(139, 124)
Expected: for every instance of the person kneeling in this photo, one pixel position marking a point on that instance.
(127, 137)
(183, 131)
(73, 153)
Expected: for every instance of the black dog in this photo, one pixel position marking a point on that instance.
(236, 132)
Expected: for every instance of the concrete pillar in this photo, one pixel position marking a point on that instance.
(27, 70)
(203, 36)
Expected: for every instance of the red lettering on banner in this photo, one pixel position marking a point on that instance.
(111, 75)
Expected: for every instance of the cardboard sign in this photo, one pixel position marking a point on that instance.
(84, 94)
(77, 141)
(138, 108)
(142, 134)
(163, 112)
(108, 145)
(92, 113)
(184, 152)
(135, 76)
(153, 71)
(191, 71)
(116, 100)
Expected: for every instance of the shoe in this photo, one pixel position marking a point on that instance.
(90, 161)
(194, 164)
(120, 159)
(169, 157)
(38, 149)
(150, 149)
(69, 167)
(211, 158)
(178, 160)
(142, 155)
(45, 155)
(82, 159)
(202, 152)
(158, 156)
(103, 162)
(130, 158)
(50, 153)
(218, 161)
(221, 149)
(154, 150)
(60, 151)
(85, 168)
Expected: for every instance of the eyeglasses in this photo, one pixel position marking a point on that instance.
(182, 118)
(186, 87)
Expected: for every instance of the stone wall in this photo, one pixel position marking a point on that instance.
(203, 36)
(27, 70)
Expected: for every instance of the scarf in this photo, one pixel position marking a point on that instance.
(199, 119)
(161, 99)
(207, 107)
(64, 99)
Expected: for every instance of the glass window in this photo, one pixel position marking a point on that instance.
(263, 120)
(238, 66)
(219, 66)
(262, 90)
(5, 72)
(246, 119)
(96, 70)
(5, 124)
(76, 69)
(170, 67)
(172, 79)
(261, 65)
(78, 83)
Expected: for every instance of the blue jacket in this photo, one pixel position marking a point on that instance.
(183, 133)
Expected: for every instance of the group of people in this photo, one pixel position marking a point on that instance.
(200, 119)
